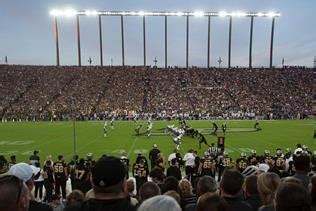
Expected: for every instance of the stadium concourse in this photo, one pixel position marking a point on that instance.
(92, 92)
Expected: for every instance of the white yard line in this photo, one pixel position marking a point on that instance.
(132, 147)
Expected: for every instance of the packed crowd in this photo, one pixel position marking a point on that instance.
(284, 181)
(59, 93)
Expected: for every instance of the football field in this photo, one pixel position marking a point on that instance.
(55, 138)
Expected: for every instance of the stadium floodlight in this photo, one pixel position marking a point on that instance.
(91, 12)
(259, 14)
(56, 12)
(223, 14)
(70, 12)
(141, 13)
(272, 14)
(240, 14)
(198, 13)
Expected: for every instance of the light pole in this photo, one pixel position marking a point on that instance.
(122, 36)
(56, 40)
(250, 42)
(229, 40)
(187, 44)
(208, 40)
(100, 36)
(166, 43)
(78, 39)
(144, 39)
(271, 44)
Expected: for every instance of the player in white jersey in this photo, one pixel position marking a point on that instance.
(149, 128)
(112, 122)
(105, 129)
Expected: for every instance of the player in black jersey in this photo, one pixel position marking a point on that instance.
(89, 162)
(71, 169)
(82, 177)
(267, 157)
(214, 128)
(49, 181)
(224, 127)
(242, 162)
(225, 162)
(253, 159)
(140, 173)
(208, 166)
(201, 139)
(61, 176)
(279, 160)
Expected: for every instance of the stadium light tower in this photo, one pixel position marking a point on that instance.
(121, 14)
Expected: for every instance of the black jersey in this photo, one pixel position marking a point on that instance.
(81, 178)
(253, 160)
(208, 167)
(60, 170)
(48, 174)
(140, 171)
(225, 162)
(241, 164)
(279, 163)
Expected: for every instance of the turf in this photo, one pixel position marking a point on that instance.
(22, 138)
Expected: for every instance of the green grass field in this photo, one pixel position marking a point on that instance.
(22, 138)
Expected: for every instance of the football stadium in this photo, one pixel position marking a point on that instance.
(106, 107)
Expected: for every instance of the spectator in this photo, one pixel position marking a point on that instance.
(174, 195)
(157, 176)
(56, 204)
(230, 185)
(130, 187)
(210, 201)
(174, 170)
(75, 198)
(171, 183)
(313, 192)
(292, 197)
(148, 190)
(251, 192)
(26, 173)
(14, 195)
(302, 167)
(160, 203)
(206, 184)
(108, 182)
(267, 185)
(186, 193)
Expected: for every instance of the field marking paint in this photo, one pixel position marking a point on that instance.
(141, 151)
(16, 142)
(131, 148)
(117, 151)
(245, 149)
(12, 152)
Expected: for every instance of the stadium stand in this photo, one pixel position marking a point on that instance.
(49, 92)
